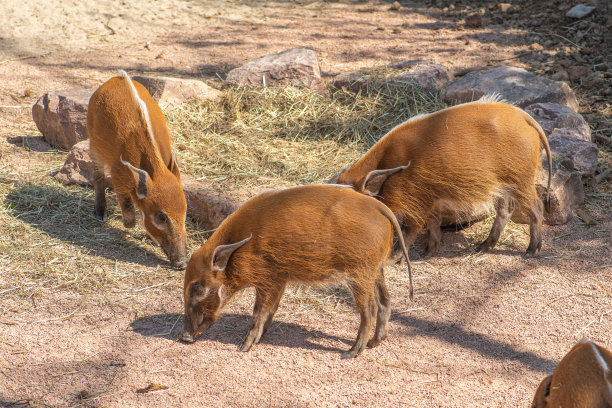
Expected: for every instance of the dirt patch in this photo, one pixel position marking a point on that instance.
(89, 313)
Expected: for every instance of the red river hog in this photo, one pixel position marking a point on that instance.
(129, 137)
(583, 379)
(457, 159)
(316, 235)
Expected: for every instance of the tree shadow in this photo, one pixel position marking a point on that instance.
(68, 216)
(455, 334)
(232, 329)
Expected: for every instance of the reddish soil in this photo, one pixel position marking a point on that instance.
(483, 329)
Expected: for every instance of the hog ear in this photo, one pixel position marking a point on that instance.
(141, 178)
(336, 177)
(375, 179)
(222, 254)
(541, 397)
(173, 166)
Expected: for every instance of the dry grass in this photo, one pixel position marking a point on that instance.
(289, 135)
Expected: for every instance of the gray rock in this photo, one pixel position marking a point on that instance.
(429, 75)
(61, 116)
(78, 168)
(552, 115)
(576, 73)
(297, 66)
(205, 206)
(580, 11)
(515, 85)
(174, 91)
(569, 143)
(566, 191)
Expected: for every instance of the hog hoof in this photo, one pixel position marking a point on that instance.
(348, 354)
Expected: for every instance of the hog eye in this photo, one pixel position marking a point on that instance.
(161, 218)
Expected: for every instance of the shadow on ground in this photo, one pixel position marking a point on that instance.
(232, 329)
(68, 216)
(455, 334)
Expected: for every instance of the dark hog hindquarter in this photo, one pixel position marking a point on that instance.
(312, 235)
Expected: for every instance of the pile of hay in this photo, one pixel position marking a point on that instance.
(279, 136)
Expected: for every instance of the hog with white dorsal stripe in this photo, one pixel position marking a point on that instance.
(456, 160)
(582, 379)
(129, 137)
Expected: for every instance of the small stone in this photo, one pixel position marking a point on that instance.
(182, 147)
(28, 92)
(504, 7)
(395, 6)
(473, 20)
(593, 81)
(577, 72)
(560, 76)
(580, 11)
(536, 47)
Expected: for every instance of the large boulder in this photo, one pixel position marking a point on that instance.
(514, 85)
(553, 116)
(78, 167)
(569, 143)
(61, 116)
(205, 206)
(297, 66)
(429, 75)
(566, 191)
(169, 91)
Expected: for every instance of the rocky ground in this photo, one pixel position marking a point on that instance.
(483, 329)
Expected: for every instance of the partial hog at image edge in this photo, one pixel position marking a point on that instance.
(582, 379)
(129, 137)
(208, 286)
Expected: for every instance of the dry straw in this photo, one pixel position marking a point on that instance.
(288, 135)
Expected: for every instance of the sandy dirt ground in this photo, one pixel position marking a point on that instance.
(482, 331)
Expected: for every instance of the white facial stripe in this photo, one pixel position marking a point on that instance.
(220, 292)
(602, 363)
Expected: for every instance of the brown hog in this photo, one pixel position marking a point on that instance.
(128, 136)
(456, 159)
(581, 380)
(318, 234)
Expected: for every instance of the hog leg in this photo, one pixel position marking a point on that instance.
(434, 233)
(535, 224)
(364, 300)
(273, 310)
(384, 310)
(265, 300)
(128, 212)
(99, 192)
(502, 207)
(409, 232)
